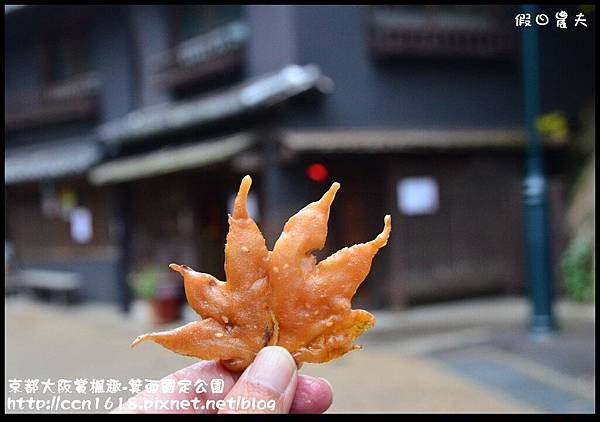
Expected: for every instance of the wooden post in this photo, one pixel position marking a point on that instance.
(123, 229)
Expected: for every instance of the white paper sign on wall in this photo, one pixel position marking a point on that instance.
(81, 224)
(417, 195)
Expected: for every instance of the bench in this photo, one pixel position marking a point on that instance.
(62, 285)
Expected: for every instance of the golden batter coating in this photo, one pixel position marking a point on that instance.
(236, 320)
(283, 298)
(310, 301)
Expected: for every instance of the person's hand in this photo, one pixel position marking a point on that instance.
(270, 385)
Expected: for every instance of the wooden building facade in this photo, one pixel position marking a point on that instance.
(413, 116)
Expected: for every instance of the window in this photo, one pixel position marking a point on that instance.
(194, 20)
(228, 13)
(208, 47)
(67, 56)
(68, 87)
(440, 31)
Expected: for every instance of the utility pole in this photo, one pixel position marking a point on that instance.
(538, 257)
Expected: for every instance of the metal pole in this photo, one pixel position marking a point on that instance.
(538, 257)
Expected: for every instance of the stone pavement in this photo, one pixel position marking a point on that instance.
(471, 356)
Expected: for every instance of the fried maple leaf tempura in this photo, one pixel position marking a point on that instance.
(236, 320)
(276, 298)
(317, 323)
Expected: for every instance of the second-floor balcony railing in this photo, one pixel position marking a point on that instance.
(436, 32)
(204, 56)
(73, 99)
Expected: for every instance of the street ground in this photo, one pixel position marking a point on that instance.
(470, 356)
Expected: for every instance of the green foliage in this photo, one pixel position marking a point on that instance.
(578, 271)
(553, 125)
(146, 280)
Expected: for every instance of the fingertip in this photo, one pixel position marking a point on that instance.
(313, 395)
(270, 352)
(272, 377)
(273, 367)
(327, 385)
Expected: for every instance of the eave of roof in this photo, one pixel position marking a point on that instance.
(388, 140)
(170, 159)
(49, 160)
(9, 8)
(261, 92)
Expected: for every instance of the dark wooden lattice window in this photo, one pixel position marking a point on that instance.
(207, 48)
(449, 31)
(66, 55)
(191, 21)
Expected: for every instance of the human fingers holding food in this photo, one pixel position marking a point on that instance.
(273, 379)
(271, 384)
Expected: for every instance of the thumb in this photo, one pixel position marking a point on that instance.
(268, 385)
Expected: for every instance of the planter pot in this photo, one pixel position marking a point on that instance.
(166, 305)
(166, 310)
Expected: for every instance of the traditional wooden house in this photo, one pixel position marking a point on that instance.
(415, 110)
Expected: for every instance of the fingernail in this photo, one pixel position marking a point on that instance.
(326, 382)
(273, 367)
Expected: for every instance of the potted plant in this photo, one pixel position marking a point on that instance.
(158, 288)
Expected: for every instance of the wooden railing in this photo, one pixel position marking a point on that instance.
(218, 51)
(70, 100)
(459, 32)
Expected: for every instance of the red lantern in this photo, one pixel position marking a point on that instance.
(317, 172)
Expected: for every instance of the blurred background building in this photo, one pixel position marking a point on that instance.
(129, 128)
